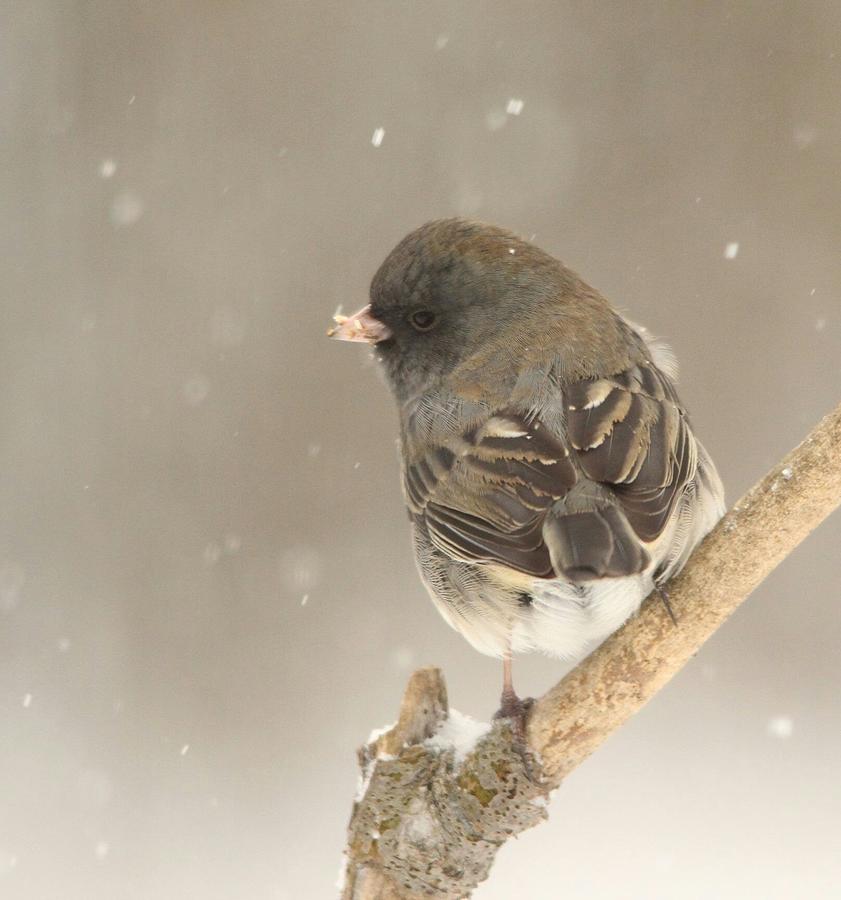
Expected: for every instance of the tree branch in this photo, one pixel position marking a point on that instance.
(431, 815)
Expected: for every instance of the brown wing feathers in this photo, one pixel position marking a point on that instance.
(509, 473)
(647, 456)
(544, 508)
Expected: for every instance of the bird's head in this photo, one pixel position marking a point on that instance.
(455, 290)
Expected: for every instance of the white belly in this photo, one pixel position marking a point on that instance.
(567, 620)
(561, 619)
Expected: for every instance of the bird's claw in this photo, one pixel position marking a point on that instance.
(516, 711)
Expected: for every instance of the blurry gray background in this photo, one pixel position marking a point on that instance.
(207, 596)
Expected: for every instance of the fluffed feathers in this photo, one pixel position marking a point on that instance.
(550, 472)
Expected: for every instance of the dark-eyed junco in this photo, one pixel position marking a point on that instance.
(550, 471)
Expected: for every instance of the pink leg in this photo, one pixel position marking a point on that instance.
(508, 692)
(511, 706)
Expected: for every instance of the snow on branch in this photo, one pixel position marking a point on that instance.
(440, 795)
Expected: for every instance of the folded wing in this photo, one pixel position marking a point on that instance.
(586, 501)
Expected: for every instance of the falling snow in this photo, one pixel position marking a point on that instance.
(27, 701)
(126, 208)
(107, 168)
(708, 671)
(496, 118)
(780, 727)
(12, 579)
(195, 389)
(227, 327)
(233, 543)
(468, 200)
(804, 136)
(402, 658)
(731, 251)
(300, 569)
(211, 554)
(377, 136)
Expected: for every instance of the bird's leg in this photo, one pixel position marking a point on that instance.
(510, 702)
(511, 706)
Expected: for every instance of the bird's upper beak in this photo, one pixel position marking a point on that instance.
(362, 326)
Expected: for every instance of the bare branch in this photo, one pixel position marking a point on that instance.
(428, 823)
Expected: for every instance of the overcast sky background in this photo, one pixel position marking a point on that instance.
(207, 594)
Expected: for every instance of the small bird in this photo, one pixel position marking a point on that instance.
(551, 474)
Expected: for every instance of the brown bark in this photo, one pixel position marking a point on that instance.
(446, 818)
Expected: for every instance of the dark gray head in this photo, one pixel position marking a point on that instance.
(455, 289)
(449, 288)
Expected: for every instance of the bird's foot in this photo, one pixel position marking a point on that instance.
(517, 711)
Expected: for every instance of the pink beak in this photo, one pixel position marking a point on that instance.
(362, 326)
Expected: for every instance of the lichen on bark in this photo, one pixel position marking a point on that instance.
(429, 822)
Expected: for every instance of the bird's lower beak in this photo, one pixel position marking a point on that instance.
(362, 326)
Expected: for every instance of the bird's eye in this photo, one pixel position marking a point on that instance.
(423, 319)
